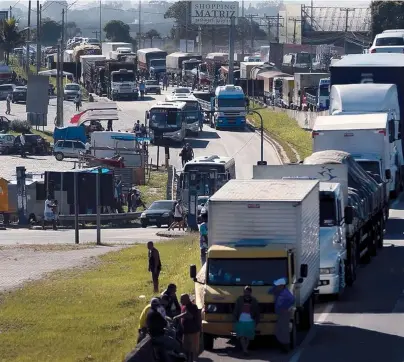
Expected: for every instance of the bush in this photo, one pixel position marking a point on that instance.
(20, 126)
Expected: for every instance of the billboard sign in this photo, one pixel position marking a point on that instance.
(214, 12)
(37, 94)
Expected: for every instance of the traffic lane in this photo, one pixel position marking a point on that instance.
(66, 236)
(366, 324)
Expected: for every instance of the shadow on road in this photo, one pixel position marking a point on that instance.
(378, 285)
(208, 135)
(198, 143)
(336, 343)
(146, 98)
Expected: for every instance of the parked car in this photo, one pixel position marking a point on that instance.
(159, 213)
(71, 90)
(68, 149)
(152, 86)
(34, 145)
(4, 124)
(6, 143)
(20, 94)
(5, 90)
(388, 42)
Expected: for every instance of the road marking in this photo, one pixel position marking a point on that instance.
(310, 336)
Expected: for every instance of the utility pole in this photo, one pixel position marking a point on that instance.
(347, 11)
(278, 27)
(252, 30)
(62, 52)
(38, 38)
(200, 40)
(28, 47)
(58, 122)
(311, 25)
(230, 78)
(11, 11)
(272, 21)
(100, 21)
(186, 26)
(295, 21)
(140, 24)
(243, 30)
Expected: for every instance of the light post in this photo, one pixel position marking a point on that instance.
(261, 162)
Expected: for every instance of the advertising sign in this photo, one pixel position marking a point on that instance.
(214, 12)
(37, 94)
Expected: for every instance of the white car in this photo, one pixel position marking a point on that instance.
(388, 42)
(181, 90)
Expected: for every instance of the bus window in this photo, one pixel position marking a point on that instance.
(172, 118)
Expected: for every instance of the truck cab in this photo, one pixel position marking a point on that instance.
(229, 107)
(123, 85)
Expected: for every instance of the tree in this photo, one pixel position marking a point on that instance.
(116, 30)
(152, 34)
(386, 15)
(10, 37)
(51, 32)
(71, 29)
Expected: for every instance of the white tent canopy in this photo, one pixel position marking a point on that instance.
(53, 73)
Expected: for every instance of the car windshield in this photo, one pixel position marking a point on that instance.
(181, 90)
(246, 271)
(161, 205)
(74, 87)
(152, 82)
(390, 41)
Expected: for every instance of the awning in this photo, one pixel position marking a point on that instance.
(272, 74)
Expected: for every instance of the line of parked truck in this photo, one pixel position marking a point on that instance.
(314, 222)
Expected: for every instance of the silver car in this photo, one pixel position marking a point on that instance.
(68, 149)
(71, 90)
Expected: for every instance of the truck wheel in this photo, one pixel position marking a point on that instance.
(208, 342)
(375, 240)
(380, 240)
(350, 267)
(307, 316)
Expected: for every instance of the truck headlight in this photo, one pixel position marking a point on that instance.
(328, 270)
(211, 308)
(143, 215)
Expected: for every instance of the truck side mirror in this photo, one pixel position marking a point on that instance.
(348, 215)
(304, 270)
(388, 174)
(392, 131)
(192, 271)
(147, 115)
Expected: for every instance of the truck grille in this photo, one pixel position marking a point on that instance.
(228, 308)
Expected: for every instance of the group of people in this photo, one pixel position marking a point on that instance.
(186, 154)
(139, 129)
(133, 199)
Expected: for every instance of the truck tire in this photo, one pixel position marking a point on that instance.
(380, 240)
(374, 240)
(307, 315)
(208, 342)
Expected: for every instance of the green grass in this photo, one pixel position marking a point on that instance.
(286, 132)
(45, 134)
(91, 314)
(155, 188)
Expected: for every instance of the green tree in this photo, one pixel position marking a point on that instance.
(152, 34)
(10, 37)
(51, 32)
(116, 30)
(386, 15)
(71, 29)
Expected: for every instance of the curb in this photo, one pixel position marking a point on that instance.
(168, 234)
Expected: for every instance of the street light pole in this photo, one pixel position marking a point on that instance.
(28, 47)
(262, 162)
(38, 39)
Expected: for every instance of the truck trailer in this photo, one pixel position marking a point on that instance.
(305, 80)
(152, 61)
(284, 243)
(109, 47)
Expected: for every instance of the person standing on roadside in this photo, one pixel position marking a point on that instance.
(191, 325)
(203, 238)
(22, 141)
(178, 217)
(8, 103)
(154, 265)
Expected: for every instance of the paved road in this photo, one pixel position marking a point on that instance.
(366, 325)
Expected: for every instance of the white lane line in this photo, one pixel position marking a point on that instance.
(310, 336)
(399, 306)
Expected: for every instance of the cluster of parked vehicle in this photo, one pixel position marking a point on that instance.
(34, 144)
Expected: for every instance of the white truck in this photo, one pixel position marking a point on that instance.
(333, 244)
(247, 67)
(119, 52)
(109, 47)
(259, 231)
(304, 81)
(368, 138)
(371, 98)
(152, 61)
(68, 56)
(175, 61)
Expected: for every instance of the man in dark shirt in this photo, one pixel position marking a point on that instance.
(173, 308)
(154, 265)
(191, 327)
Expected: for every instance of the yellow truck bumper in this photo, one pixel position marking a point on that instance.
(226, 329)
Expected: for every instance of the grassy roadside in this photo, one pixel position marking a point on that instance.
(47, 135)
(155, 188)
(90, 314)
(285, 131)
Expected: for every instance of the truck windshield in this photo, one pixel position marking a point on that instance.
(370, 166)
(254, 272)
(190, 66)
(123, 77)
(157, 62)
(231, 102)
(324, 91)
(163, 117)
(328, 215)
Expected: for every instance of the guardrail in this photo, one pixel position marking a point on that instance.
(125, 216)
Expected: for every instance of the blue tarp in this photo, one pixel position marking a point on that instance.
(70, 133)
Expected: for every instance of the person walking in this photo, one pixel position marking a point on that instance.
(191, 327)
(109, 125)
(178, 217)
(142, 89)
(22, 148)
(284, 300)
(184, 155)
(8, 103)
(190, 152)
(203, 238)
(154, 265)
(77, 102)
(246, 317)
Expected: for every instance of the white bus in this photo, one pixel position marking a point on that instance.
(193, 110)
(211, 173)
(167, 121)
